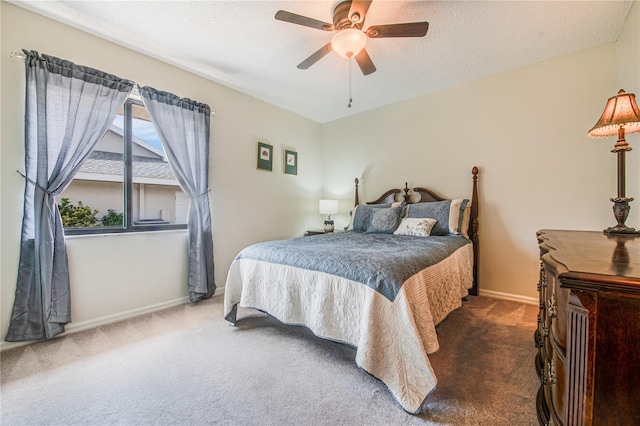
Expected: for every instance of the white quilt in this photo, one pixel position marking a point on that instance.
(392, 338)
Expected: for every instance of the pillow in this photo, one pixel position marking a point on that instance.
(360, 216)
(415, 226)
(438, 210)
(450, 215)
(466, 221)
(384, 220)
(459, 217)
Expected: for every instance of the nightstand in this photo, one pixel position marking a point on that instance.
(315, 232)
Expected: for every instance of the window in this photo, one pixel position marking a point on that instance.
(126, 184)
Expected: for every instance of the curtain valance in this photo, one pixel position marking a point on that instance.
(69, 69)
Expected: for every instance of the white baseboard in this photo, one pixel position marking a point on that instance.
(120, 316)
(108, 319)
(507, 296)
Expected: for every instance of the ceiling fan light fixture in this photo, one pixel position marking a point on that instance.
(349, 42)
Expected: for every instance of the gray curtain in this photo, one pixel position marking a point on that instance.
(68, 108)
(183, 126)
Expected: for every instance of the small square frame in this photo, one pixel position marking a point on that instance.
(265, 156)
(290, 162)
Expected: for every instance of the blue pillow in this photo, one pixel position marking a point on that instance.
(438, 210)
(452, 215)
(362, 215)
(385, 220)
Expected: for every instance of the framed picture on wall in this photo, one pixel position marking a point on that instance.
(290, 162)
(265, 156)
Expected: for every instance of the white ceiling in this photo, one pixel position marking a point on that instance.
(241, 45)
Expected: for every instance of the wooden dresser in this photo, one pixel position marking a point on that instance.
(588, 331)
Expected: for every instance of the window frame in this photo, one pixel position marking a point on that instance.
(127, 188)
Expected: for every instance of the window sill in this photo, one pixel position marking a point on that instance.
(71, 232)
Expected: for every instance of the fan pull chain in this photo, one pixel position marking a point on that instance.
(350, 83)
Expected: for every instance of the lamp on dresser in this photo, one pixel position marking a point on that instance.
(328, 207)
(621, 115)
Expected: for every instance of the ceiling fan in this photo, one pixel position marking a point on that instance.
(350, 39)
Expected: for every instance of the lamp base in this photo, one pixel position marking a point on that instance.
(328, 226)
(615, 230)
(621, 212)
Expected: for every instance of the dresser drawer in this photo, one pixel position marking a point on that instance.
(556, 377)
(588, 335)
(558, 307)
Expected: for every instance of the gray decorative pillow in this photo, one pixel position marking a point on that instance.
(384, 221)
(438, 210)
(362, 216)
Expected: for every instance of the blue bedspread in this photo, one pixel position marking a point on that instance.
(381, 261)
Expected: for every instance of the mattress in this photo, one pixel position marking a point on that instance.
(384, 294)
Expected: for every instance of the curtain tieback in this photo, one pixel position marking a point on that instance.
(35, 183)
(204, 193)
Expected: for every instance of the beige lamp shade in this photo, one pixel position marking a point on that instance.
(328, 207)
(621, 111)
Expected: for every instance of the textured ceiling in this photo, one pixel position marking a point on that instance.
(241, 45)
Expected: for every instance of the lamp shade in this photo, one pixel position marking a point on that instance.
(349, 42)
(328, 207)
(621, 111)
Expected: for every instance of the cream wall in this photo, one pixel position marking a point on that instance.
(628, 49)
(526, 129)
(248, 205)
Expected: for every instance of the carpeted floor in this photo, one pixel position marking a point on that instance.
(186, 366)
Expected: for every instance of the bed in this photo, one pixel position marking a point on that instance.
(406, 261)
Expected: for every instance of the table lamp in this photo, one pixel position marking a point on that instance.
(620, 116)
(328, 207)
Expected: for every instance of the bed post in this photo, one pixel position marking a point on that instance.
(473, 231)
(406, 196)
(357, 200)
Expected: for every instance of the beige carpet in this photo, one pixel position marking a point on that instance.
(186, 366)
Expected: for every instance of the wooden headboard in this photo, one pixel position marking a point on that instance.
(427, 195)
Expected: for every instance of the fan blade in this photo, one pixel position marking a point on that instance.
(358, 8)
(319, 54)
(283, 15)
(365, 63)
(409, 29)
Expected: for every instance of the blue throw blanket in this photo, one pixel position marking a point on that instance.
(381, 261)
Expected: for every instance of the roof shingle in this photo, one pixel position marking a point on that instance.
(111, 163)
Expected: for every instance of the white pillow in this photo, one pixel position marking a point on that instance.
(459, 217)
(466, 218)
(416, 226)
